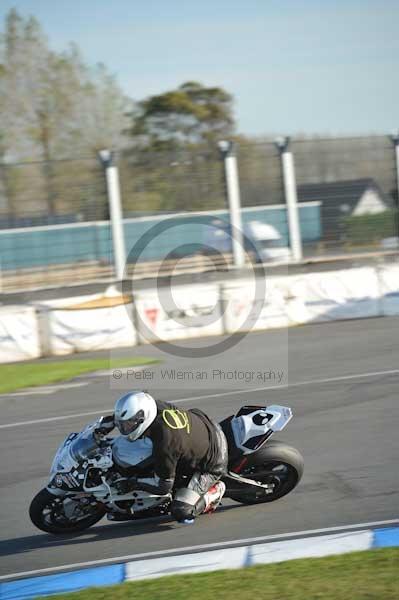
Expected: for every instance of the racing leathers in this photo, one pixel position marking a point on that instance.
(187, 443)
(190, 455)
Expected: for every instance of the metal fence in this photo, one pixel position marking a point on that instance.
(162, 182)
(355, 179)
(54, 217)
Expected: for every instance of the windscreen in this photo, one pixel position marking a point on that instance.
(75, 448)
(84, 446)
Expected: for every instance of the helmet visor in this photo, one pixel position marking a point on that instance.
(127, 426)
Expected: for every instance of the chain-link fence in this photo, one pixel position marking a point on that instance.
(355, 181)
(54, 216)
(50, 216)
(261, 180)
(170, 182)
(49, 193)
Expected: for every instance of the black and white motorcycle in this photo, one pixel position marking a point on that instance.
(89, 474)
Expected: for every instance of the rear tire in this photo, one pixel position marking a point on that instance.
(44, 513)
(276, 463)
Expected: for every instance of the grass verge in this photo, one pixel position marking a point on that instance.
(370, 575)
(21, 375)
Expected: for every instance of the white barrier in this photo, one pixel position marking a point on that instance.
(298, 299)
(103, 322)
(345, 294)
(19, 334)
(83, 330)
(253, 307)
(192, 311)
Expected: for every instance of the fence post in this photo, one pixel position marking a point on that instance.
(226, 149)
(288, 169)
(115, 211)
(395, 141)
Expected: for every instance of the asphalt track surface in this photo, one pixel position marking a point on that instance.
(343, 388)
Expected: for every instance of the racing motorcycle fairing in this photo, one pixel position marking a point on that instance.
(77, 455)
(86, 465)
(131, 454)
(253, 425)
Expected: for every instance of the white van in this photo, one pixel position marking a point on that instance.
(264, 237)
(268, 241)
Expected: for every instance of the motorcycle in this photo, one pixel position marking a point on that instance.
(91, 473)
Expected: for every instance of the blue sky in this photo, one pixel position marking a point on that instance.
(293, 66)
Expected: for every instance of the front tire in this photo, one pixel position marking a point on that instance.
(275, 463)
(47, 512)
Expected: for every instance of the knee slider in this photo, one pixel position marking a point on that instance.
(184, 504)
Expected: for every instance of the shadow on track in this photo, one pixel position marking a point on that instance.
(110, 532)
(101, 532)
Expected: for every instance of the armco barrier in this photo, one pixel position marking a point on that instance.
(213, 560)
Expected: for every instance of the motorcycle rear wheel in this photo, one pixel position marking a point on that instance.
(277, 464)
(46, 510)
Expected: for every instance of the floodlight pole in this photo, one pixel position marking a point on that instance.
(226, 149)
(115, 211)
(288, 168)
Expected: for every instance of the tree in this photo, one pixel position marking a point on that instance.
(53, 106)
(101, 108)
(190, 115)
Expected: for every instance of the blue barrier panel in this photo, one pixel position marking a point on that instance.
(52, 245)
(86, 242)
(383, 538)
(62, 582)
(310, 222)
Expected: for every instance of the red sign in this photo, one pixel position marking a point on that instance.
(152, 316)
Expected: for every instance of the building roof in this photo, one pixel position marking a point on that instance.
(336, 193)
(338, 199)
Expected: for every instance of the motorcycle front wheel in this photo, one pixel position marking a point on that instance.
(277, 464)
(63, 514)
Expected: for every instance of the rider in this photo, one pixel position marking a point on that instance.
(185, 442)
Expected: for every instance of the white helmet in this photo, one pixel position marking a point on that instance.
(134, 413)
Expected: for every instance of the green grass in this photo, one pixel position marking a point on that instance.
(371, 575)
(22, 375)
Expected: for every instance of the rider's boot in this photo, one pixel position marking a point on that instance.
(214, 496)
